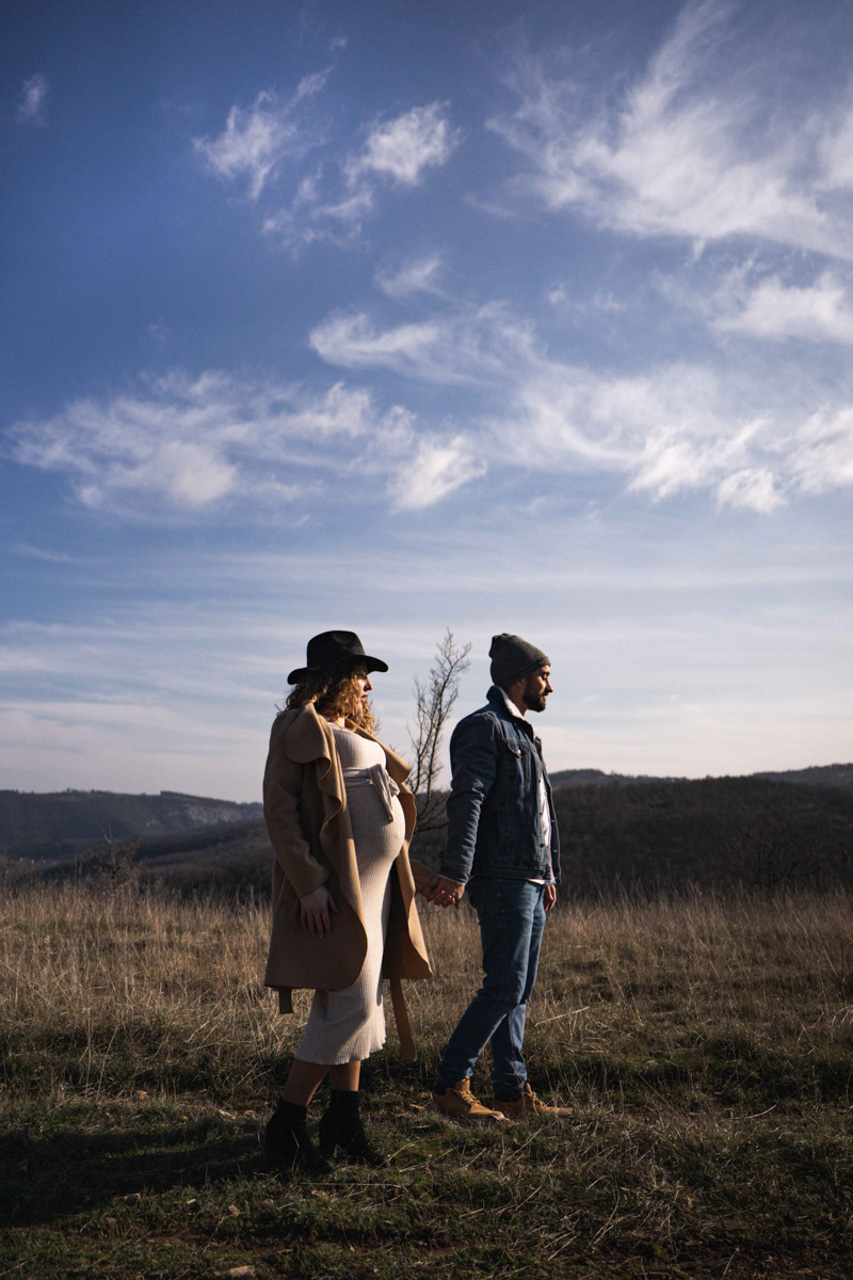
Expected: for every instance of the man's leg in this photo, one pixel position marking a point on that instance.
(508, 921)
(509, 1071)
(513, 1095)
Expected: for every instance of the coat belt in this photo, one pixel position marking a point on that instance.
(378, 777)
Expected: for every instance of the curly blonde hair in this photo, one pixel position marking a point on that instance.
(334, 693)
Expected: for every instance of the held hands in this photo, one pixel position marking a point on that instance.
(314, 911)
(447, 893)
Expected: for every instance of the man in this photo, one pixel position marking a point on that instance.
(502, 843)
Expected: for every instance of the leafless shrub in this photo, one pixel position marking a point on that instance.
(434, 701)
(115, 863)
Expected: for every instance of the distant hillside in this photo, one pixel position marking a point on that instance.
(626, 833)
(598, 778)
(61, 825)
(714, 831)
(224, 859)
(711, 831)
(829, 775)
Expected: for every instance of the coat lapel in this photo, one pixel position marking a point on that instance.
(309, 737)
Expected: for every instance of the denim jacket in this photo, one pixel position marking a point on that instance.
(494, 823)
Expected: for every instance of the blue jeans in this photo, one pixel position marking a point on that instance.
(512, 918)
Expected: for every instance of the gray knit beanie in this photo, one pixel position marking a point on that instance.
(512, 659)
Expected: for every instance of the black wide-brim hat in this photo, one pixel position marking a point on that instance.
(331, 647)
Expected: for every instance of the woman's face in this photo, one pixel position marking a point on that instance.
(361, 680)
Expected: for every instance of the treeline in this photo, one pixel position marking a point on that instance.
(718, 832)
(835, 776)
(744, 832)
(647, 837)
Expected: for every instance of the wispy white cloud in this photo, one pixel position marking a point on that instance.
(30, 552)
(397, 151)
(674, 461)
(257, 141)
(819, 312)
(185, 444)
(402, 149)
(561, 296)
(674, 429)
(418, 275)
(331, 200)
(307, 221)
(457, 347)
(350, 340)
(822, 451)
(181, 447)
(836, 147)
(440, 465)
(32, 100)
(754, 488)
(695, 147)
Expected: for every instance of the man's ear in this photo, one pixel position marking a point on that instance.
(515, 691)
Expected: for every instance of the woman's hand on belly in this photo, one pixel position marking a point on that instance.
(315, 909)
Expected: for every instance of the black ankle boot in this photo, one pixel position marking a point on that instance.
(289, 1144)
(327, 1130)
(341, 1127)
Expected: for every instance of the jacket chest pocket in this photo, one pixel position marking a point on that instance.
(520, 763)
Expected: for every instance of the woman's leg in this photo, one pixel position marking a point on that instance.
(346, 1076)
(303, 1080)
(340, 1125)
(288, 1141)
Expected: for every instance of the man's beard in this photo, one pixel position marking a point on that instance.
(536, 702)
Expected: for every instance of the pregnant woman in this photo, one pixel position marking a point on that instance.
(340, 819)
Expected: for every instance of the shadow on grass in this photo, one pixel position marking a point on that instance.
(66, 1172)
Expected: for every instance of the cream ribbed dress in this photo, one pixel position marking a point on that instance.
(349, 1025)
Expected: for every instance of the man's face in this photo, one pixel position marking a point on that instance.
(537, 686)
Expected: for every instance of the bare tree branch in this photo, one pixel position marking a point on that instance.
(434, 699)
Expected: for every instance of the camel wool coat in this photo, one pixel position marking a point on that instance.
(309, 827)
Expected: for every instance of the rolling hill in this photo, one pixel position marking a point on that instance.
(62, 825)
(617, 832)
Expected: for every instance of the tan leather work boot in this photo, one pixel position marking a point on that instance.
(458, 1101)
(529, 1107)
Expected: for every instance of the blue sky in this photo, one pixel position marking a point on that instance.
(400, 317)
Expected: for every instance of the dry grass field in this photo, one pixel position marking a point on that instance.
(704, 1046)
